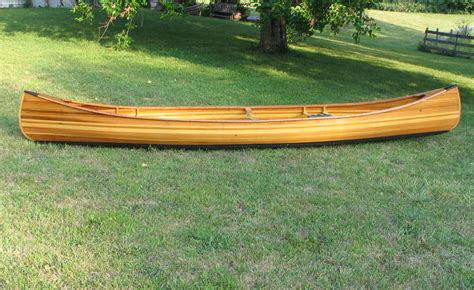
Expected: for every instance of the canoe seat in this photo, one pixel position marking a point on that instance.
(324, 113)
(319, 115)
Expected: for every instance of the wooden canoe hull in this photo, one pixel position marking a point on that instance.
(44, 118)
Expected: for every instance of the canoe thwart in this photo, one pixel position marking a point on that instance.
(249, 113)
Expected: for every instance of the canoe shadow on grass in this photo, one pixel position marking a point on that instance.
(242, 147)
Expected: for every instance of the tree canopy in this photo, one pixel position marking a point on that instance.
(284, 21)
(281, 21)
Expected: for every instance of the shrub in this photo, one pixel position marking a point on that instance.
(206, 11)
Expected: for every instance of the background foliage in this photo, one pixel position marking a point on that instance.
(438, 6)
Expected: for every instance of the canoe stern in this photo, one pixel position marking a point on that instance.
(26, 94)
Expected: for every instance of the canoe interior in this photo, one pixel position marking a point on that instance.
(229, 113)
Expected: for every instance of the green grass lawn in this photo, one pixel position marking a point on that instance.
(391, 214)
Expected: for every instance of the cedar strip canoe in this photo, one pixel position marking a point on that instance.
(45, 118)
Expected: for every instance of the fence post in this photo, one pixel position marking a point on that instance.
(426, 35)
(437, 37)
(456, 43)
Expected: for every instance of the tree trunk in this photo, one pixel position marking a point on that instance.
(273, 36)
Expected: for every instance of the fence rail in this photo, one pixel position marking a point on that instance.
(453, 44)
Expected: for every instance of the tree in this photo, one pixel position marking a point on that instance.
(281, 21)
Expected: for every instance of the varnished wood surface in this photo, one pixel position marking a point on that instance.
(44, 118)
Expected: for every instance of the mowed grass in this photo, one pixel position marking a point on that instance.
(391, 214)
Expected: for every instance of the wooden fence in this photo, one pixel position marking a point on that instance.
(448, 42)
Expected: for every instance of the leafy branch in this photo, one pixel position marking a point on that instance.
(115, 9)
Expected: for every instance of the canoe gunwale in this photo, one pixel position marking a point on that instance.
(65, 102)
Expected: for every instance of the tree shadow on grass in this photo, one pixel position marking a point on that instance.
(57, 24)
(322, 84)
(229, 45)
(216, 64)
